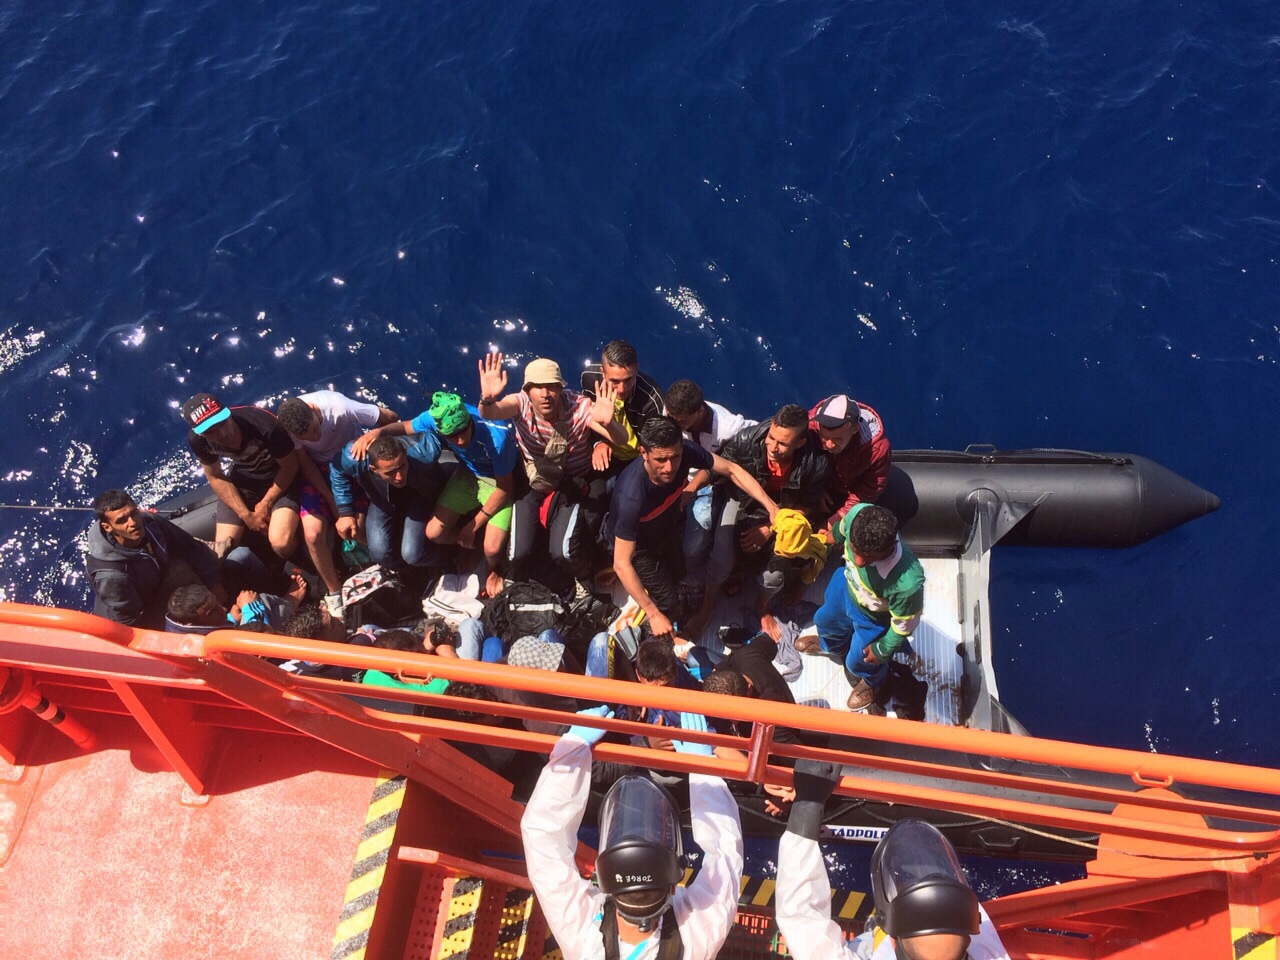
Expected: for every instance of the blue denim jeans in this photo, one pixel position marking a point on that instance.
(598, 656)
(709, 535)
(399, 540)
(474, 645)
(845, 627)
(244, 571)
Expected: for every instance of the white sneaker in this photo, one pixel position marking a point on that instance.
(334, 602)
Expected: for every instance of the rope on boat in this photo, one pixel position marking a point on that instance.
(1048, 835)
(60, 508)
(42, 507)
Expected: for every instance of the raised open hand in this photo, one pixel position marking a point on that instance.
(605, 404)
(493, 376)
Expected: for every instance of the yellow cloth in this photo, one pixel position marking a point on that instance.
(793, 537)
(629, 449)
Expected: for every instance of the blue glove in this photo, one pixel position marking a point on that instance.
(590, 735)
(693, 721)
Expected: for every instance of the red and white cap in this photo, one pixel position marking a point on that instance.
(835, 412)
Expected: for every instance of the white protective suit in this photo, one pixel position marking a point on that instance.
(704, 910)
(803, 900)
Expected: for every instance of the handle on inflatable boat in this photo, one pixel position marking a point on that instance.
(414, 678)
(1144, 781)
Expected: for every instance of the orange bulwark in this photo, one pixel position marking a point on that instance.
(165, 794)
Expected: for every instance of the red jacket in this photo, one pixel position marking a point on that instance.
(861, 468)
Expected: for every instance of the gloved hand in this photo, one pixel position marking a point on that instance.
(813, 780)
(590, 735)
(693, 721)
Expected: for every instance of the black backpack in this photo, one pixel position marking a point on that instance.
(523, 609)
(583, 619)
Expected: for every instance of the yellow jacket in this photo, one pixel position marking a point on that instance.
(793, 537)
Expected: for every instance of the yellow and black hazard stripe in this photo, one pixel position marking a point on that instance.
(847, 906)
(513, 925)
(460, 927)
(1248, 945)
(550, 949)
(352, 935)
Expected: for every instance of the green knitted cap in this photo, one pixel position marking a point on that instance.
(449, 413)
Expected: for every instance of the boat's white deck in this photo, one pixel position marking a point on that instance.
(935, 642)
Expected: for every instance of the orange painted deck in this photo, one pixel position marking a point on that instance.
(112, 855)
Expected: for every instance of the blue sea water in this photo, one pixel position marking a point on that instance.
(1052, 226)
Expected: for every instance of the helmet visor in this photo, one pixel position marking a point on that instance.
(919, 885)
(638, 810)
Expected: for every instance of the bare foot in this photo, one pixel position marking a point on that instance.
(493, 583)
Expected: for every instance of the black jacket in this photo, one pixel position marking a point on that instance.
(127, 583)
(806, 483)
(755, 662)
(646, 399)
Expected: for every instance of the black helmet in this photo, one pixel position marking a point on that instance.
(641, 851)
(919, 885)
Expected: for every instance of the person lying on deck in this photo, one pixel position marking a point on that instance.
(195, 609)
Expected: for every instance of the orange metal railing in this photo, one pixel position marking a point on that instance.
(1043, 800)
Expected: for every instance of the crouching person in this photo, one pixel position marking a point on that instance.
(474, 508)
(401, 481)
(637, 911)
(137, 559)
(869, 614)
(555, 429)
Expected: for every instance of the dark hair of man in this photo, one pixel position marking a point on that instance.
(728, 682)
(306, 622)
(470, 691)
(185, 603)
(684, 398)
(872, 530)
(403, 640)
(791, 416)
(658, 433)
(656, 660)
(619, 353)
(641, 901)
(384, 450)
(109, 500)
(295, 416)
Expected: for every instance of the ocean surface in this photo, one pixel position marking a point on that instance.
(992, 222)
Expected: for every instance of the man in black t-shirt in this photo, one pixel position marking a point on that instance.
(257, 492)
(646, 515)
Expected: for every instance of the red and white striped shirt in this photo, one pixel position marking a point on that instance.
(532, 433)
